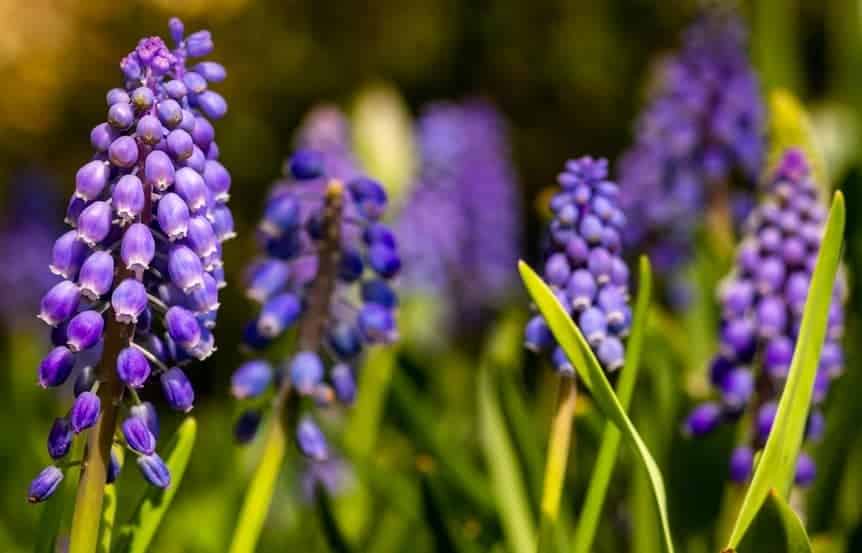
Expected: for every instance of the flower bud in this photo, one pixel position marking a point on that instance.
(123, 152)
(191, 187)
(173, 216)
(97, 275)
(94, 223)
(159, 170)
(133, 368)
(60, 438)
(266, 278)
(246, 426)
(45, 484)
(278, 313)
(251, 379)
(306, 371)
(703, 419)
(178, 390)
(217, 179)
(155, 470)
(212, 104)
(311, 441)
(128, 301)
(67, 255)
(128, 198)
(185, 268)
(376, 324)
(741, 463)
(147, 412)
(84, 330)
(344, 383)
(183, 327)
(60, 303)
(85, 412)
(138, 436)
(91, 179)
(138, 247)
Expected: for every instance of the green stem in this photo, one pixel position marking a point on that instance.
(262, 488)
(97, 457)
(555, 466)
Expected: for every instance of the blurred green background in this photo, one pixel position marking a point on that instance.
(570, 77)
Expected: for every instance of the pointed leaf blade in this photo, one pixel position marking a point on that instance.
(777, 465)
(590, 372)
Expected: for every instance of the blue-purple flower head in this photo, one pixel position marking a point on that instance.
(326, 275)
(460, 227)
(144, 252)
(584, 267)
(703, 125)
(28, 229)
(762, 302)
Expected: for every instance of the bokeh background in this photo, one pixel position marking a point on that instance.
(569, 77)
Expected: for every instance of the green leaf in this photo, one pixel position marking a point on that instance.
(135, 536)
(777, 465)
(506, 476)
(776, 529)
(588, 521)
(590, 372)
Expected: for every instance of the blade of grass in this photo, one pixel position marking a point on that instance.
(588, 521)
(590, 372)
(777, 464)
(332, 532)
(507, 479)
(137, 534)
(776, 529)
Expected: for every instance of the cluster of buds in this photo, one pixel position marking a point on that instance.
(326, 271)
(459, 229)
(705, 121)
(584, 266)
(142, 264)
(762, 302)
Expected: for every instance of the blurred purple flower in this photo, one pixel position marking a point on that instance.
(460, 228)
(762, 302)
(704, 122)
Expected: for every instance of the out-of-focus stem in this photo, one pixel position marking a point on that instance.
(262, 488)
(558, 457)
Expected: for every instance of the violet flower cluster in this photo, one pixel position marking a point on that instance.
(26, 235)
(762, 302)
(326, 274)
(704, 122)
(460, 227)
(584, 266)
(142, 264)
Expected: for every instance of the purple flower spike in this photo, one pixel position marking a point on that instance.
(251, 379)
(460, 228)
(45, 484)
(762, 302)
(133, 368)
(705, 122)
(138, 436)
(178, 390)
(154, 470)
(84, 330)
(583, 264)
(85, 412)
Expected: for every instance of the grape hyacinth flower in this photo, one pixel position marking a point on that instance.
(141, 266)
(325, 277)
(460, 226)
(762, 302)
(27, 233)
(703, 125)
(584, 267)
